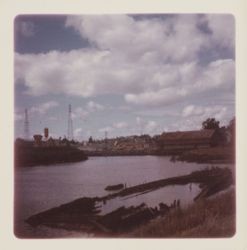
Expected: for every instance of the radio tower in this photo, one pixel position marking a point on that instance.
(26, 126)
(70, 124)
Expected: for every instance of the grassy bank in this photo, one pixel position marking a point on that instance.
(209, 155)
(214, 217)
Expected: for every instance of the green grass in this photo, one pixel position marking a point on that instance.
(214, 217)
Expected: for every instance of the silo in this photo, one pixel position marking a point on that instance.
(46, 133)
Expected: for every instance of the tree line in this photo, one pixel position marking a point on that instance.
(228, 132)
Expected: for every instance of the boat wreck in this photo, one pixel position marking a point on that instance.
(114, 187)
(85, 215)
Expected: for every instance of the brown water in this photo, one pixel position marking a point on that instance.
(43, 187)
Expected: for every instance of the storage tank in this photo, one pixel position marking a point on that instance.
(46, 133)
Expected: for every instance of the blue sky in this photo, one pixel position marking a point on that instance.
(124, 74)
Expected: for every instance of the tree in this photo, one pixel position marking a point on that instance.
(232, 125)
(232, 130)
(90, 140)
(211, 123)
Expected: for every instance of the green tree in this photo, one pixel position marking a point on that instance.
(211, 123)
(232, 130)
(90, 140)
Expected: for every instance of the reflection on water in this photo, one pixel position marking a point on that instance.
(43, 187)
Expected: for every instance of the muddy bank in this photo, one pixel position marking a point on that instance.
(27, 156)
(85, 214)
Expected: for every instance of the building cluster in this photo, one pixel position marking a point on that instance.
(122, 145)
(189, 140)
(47, 141)
(166, 143)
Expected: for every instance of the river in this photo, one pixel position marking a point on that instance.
(43, 187)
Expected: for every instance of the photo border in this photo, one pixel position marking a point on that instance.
(11, 8)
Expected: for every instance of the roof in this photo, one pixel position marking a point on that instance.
(188, 135)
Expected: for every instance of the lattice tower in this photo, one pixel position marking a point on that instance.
(26, 126)
(70, 124)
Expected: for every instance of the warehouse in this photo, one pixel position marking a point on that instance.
(175, 142)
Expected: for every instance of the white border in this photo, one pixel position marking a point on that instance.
(11, 8)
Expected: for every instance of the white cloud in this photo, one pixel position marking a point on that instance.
(223, 31)
(114, 126)
(148, 61)
(93, 106)
(139, 120)
(90, 107)
(106, 129)
(79, 113)
(151, 126)
(200, 113)
(218, 74)
(194, 79)
(120, 125)
(176, 38)
(192, 110)
(139, 127)
(193, 123)
(44, 107)
(155, 98)
(77, 132)
(186, 125)
(145, 126)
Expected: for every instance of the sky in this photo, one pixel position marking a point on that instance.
(124, 74)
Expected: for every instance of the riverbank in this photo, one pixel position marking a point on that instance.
(84, 214)
(28, 156)
(213, 217)
(212, 155)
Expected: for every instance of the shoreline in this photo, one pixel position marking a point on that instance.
(83, 214)
(34, 156)
(213, 155)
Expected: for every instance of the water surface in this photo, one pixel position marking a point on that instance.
(43, 187)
